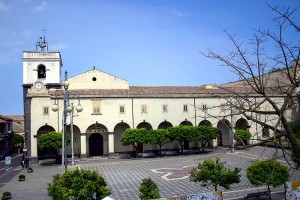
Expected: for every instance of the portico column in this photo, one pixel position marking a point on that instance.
(111, 143)
(83, 144)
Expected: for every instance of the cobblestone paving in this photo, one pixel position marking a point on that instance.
(124, 176)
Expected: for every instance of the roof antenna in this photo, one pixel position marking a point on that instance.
(42, 45)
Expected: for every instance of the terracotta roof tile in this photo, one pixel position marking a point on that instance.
(164, 91)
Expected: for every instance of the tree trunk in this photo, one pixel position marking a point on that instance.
(295, 144)
(160, 150)
(269, 192)
(181, 147)
(216, 187)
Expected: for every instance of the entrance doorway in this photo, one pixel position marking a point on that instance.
(95, 145)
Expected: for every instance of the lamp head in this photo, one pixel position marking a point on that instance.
(54, 107)
(79, 108)
(65, 84)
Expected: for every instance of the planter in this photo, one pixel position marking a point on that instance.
(6, 195)
(30, 170)
(21, 177)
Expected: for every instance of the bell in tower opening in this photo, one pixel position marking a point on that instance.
(41, 71)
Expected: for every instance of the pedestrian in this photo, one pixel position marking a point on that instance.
(22, 164)
(26, 163)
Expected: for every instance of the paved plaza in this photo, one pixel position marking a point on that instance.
(169, 173)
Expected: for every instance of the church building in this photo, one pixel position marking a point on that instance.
(110, 105)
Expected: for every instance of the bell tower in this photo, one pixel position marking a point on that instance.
(42, 66)
(41, 72)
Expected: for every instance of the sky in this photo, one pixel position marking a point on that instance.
(146, 42)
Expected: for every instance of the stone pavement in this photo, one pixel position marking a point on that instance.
(169, 173)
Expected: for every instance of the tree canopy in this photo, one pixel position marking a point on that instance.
(52, 140)
(78, 184)
(267, 172)
(134, 136)
(158, 137)
(216, 174)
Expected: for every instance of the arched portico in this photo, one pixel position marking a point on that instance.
(205, 123)
(97, 135)
(186, 123)
(242, 124)
(225, 133)
(148, 127)
(45, 152)
(165, 125)
(118, 132)
(77, 140)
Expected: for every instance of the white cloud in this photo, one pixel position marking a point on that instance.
(58, 47)
(40, 7)
(179, 13)
(3, 6)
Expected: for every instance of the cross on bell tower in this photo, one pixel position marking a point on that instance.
(42, 45)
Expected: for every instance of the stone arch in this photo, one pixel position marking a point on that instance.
(186, 123)
(77, 140)
(118, 132)
(148, 127)
(265, 132)
(97, 135)
(205, 123)
(225, 135)
(165, 125)
(145, 125)
(242, 124)
(45, 153)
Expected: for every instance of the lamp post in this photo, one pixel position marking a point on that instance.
(66, 109)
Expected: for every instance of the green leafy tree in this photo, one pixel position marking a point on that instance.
(78, 184)
(18, 140)
(52, 140)
(214, 173)
(148, 190)
(243, 134)
(206, 134)
(267, 172)
(180, 134)
(134, 136)
(158, 137)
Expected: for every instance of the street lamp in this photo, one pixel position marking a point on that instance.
(66, 109)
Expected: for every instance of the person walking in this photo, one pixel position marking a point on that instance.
(22, 164)
(26, 163)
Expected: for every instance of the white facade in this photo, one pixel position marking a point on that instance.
(110, 106)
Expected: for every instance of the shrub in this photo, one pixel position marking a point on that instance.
(22, 177)
(78, 184)
(243, 134)
(148, 190)
(6, 194)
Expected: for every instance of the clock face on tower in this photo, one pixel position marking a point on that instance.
(38, 85)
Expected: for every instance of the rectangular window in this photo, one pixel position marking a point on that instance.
(96, 107)
(122, 109)
(204, 107)
(185, 108)
(144, 108)
(165, 108)
(46, 110)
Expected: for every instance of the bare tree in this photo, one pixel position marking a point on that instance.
(268, 84)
